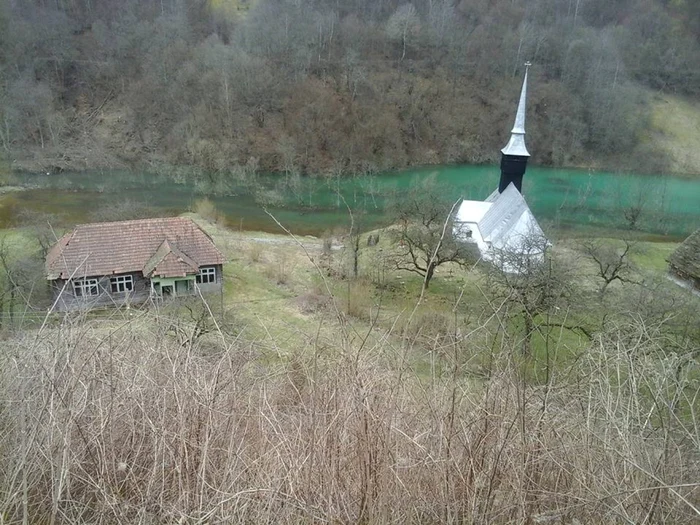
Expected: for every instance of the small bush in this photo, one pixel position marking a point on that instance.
(310, 303)
(359, 302)
(429, 325)
(206, 209)
(278, 270)
(255, 252)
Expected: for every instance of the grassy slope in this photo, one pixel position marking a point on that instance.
(277, 294)
(675, 130)
(272, 280)
(230, 9)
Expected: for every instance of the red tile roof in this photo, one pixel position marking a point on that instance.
(128, 246)
(168, 261)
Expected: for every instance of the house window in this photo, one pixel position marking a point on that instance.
(122, 283)
(206, 275)
(86, 288)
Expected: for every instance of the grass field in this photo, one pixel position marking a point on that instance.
(292, 290)
(280, 289)
(675, 129)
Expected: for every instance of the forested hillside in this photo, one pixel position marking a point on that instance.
(341, 87)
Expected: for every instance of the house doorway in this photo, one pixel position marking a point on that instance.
(166, 290)
(183, 287)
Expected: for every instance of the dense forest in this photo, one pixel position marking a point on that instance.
(323, 86)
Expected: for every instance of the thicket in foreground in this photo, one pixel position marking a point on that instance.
(125, 421)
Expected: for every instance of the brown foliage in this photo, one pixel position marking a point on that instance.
(131, 424)
(368, 86)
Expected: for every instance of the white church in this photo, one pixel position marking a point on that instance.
(502, 226)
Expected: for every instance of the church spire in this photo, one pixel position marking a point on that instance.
(515, 154)
(516, 144)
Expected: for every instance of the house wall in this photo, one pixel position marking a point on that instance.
(476, 237)
(214, 287)
(65, 299)
(172, 282)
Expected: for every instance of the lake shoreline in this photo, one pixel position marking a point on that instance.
(39, 166)
(563, 200)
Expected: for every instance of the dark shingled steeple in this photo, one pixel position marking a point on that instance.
(514, 155)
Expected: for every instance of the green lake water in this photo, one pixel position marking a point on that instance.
(574, 200)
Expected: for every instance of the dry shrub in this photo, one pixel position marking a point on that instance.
(429, 325)
(310, 303)
(129, 425)
(255, 251)
(206, 209)
(327, 244)
(279, 269)
(379, 267)
(358, 301)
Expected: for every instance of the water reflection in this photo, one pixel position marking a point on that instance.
(314, 205)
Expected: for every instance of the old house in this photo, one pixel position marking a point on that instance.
(503, 228)
(114, 263)
(684, 262)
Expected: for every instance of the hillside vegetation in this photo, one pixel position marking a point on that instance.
(342, 87)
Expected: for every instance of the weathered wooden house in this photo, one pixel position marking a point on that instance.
(684, 262)
(114, 263)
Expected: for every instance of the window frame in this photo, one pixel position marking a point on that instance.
(121, 283)
(86, 287)
(206, 275)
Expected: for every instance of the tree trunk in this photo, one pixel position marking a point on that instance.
(403, 55)
(355, 254)
(527, 341)
(429, 275)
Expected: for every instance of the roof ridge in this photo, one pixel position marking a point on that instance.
(133, 221)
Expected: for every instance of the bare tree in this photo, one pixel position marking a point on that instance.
(612, 261)
(423, 214)
(534, 285)
(21, 280)
(402, 26)
(40, 224)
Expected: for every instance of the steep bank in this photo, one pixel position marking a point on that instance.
(111, 139)
(324, 88)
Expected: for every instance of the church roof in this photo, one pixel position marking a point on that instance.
(505, 221)
(509, 223)
(494, 195)
(504, 213)
(472, 211)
